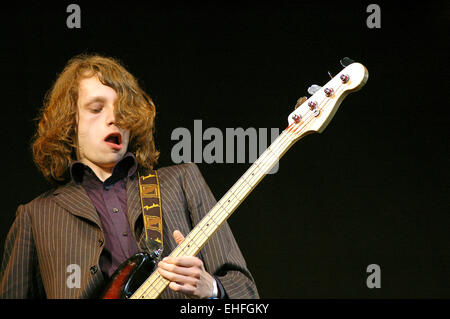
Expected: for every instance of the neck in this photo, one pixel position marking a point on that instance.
(102, 174)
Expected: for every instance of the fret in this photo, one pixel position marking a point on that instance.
(236, 198)
(243, 186)
(192, 248)
(226, 200)
(157, 289)
(148, 289)
(274, 153)
(196, 239)
(202, 236)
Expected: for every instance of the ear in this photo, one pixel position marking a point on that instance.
(77, 115)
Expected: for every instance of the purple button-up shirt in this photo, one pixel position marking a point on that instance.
(110, 200)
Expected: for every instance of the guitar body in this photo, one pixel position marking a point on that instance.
(129, 276)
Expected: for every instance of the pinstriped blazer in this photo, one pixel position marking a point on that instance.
(61, 228)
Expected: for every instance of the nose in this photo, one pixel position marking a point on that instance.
(110, 118)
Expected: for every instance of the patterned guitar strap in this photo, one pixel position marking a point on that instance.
(151, 213)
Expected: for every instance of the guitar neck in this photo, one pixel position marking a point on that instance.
(207, 227)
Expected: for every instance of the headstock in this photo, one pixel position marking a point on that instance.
(314, 114)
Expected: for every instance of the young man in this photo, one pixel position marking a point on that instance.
(95, 134)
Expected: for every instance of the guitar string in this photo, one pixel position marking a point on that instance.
(285, 141)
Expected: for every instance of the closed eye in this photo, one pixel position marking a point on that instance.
(95, 104)
(96, 109)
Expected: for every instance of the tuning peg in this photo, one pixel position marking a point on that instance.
(346, 61)
(313, 89)
(300, 101)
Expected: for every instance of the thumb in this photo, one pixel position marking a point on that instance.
(178, 236)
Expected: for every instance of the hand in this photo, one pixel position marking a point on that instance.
(186, 274)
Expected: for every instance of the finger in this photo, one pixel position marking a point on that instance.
(178, 236)
(184, 261)
(185, 271)
(180, 279)
(186, 289)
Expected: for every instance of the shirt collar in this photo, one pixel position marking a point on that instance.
(127, 166)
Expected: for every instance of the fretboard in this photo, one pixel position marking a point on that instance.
(207, 227)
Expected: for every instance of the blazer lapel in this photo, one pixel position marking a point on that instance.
(133, 201)
(75, 199)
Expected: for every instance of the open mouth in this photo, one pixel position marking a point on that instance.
(115, 139)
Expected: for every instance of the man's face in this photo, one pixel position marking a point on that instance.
(101, 144)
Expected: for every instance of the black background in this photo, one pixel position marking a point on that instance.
(372, 189)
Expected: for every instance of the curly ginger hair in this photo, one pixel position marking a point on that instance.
(54, 144)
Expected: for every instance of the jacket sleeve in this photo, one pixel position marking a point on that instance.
(221, 255)
(19, 272)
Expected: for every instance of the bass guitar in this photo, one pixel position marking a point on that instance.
(132, 279)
